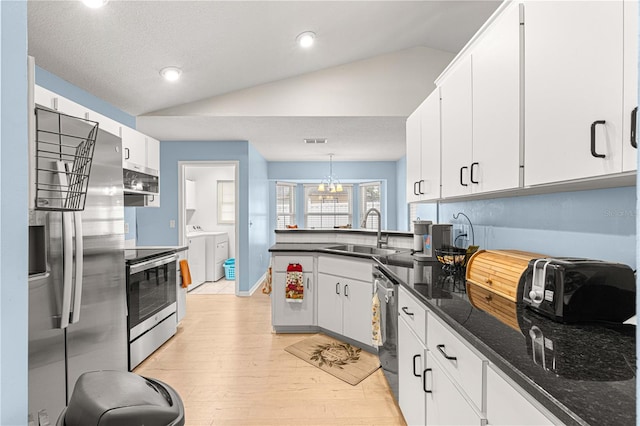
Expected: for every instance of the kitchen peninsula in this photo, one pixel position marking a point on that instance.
(569, 374)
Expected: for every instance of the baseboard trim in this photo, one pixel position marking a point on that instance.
(254, 288)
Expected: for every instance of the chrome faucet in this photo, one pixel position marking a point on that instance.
(379, 240)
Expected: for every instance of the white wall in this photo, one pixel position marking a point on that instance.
(387, 85)
(206, 212)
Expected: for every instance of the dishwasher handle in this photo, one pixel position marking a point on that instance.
(384, 290)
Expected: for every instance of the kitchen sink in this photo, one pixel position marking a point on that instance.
(363, 250)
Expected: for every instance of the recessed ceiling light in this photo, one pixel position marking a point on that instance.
(306, 39)
(95, 4)
(171, 73)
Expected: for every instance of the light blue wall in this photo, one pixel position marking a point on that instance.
(153, 223)
(56, 84)
(14, 238)
(130, 219)
(598, 224)
(259, 230)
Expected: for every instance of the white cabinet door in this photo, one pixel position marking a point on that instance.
(414, 153)
(45, 98)
(153, 154)
(573, 81)
(105, 123)
(356, 310)
(445, 404)
(134, 147)
(456, 106)
(196, 257)
(292, 313)
(153, 200)
(69, 107)
(629, 151)
(507, 406)
(429, 186)
(411, 364)
(496, 105)
(330, 301)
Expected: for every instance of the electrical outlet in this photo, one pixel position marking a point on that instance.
(172, 223)
(465, 230)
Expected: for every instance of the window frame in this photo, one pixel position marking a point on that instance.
(293, 187)
(308, 191)
(372, 220)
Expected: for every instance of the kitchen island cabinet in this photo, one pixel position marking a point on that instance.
(292, 316)
(344, 297)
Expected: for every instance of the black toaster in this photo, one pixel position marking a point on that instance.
(580, 290)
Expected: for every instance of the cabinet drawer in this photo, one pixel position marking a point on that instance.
(413, 313)
(460, 361)
(346, 267)
(280, 263)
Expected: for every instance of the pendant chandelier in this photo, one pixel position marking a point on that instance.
(330, 183)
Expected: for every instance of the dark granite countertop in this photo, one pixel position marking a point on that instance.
(583, 374)
(342, 231)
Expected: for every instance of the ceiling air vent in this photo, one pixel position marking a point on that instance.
(315, 141)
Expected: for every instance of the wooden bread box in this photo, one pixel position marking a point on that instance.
(494, 282)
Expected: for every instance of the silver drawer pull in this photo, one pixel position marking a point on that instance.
(444, 354)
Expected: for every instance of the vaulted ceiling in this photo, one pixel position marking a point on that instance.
(245, 78)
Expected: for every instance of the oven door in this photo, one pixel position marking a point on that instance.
(151, 293)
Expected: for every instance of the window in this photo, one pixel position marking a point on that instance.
(285, 204)
(370, 198)
(226, 201)
(327, 209)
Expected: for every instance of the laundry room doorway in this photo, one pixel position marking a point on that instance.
(208, 224)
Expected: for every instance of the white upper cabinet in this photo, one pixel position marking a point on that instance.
(456, 118)
(481, 112)
(496, 105)
(134, 148)
(153, 153)
(105, 123)
(629, 138)
(414, 150)
(573, 89)
(423, 150)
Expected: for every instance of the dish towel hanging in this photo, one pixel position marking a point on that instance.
(185, 272)
(376, 335)
(294, 290)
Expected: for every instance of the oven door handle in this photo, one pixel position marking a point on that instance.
(134, 269)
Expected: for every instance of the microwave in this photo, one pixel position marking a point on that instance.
(141, 182)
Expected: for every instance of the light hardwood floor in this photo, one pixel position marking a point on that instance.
(230, 369)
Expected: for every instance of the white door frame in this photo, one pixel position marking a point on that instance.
(182, 238)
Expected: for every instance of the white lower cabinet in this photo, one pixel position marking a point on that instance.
(446, 404)
(443, 380)
(411, 365)
(507, 405)
(284, 313)
(344, 297)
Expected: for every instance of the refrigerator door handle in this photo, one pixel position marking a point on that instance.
(67, 271)
(77, 298)
(67, 252)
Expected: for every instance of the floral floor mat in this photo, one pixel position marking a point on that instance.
(342, 360)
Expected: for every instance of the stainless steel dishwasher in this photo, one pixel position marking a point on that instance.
(387, 289)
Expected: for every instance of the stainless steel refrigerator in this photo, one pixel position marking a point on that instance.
(76, 325)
